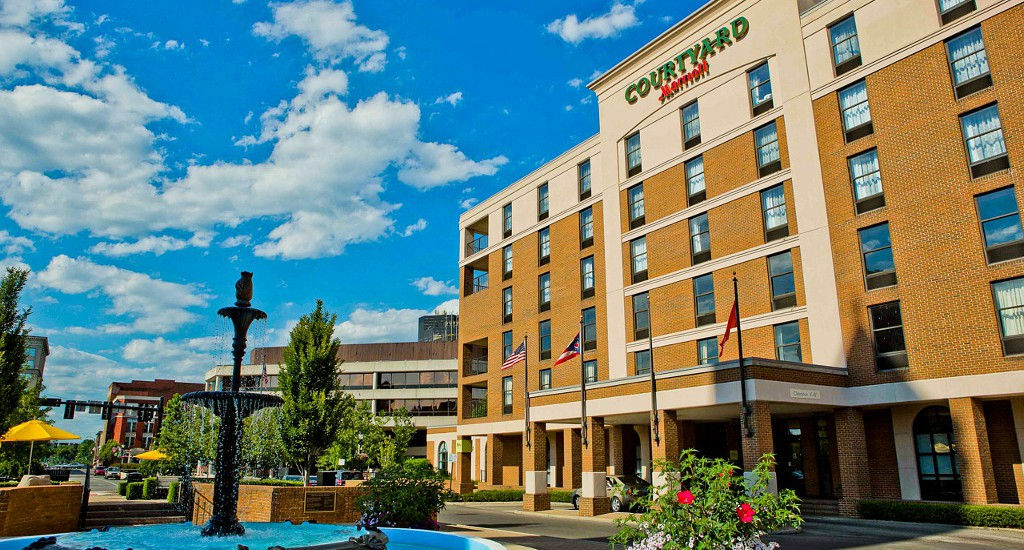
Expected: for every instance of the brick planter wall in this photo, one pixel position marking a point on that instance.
(39, 510)
(260, 503)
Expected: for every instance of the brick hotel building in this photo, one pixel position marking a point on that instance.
(854, 163)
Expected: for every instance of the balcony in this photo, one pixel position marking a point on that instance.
(476, 243)
(475, 401)
(475, 277)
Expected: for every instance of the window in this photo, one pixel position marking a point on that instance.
(691, 125)
(583, 175)
(1008, 297)
(983, 134)
(700, 239)
(780, 272)
(506, 345)
(544, 329)
(867, 181)
(1000, 225)
(787, 342)
(773, 207)
(544, 246)
(695, 190)
(590, 370)
(642, 361)
(853, 102)
(968, 63)
(506, 395)
(935, 447)
(845, 46)
(760, 83)
(887, 334)
(506, 263)
(544, 291)
(707, 351)
(587, 277)
(589, 329)
(506, 305)
(542, 202)
(586, 227)
(876, 248)
(544, 379)
(633, 164)
(766, 139)
(477, 402)
(635, 196)
(641, 316)
(950, 10)
(638, 259)
(704, 299)
(506, 217)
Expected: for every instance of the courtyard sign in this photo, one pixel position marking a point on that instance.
(673, 75)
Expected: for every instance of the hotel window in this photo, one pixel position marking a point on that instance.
(950, 10)
(1008, 297)
(695, 190)
(780, 273)
(853, 102)
(633, 165)
(983, 134)
(1000, 225)
(845, 46)
(700, 239)
(641, 316)
(760, 83)
(766, 139)
(968, 62)
(544, 329)
(773, 206)
(691, 125)
(876, 248)
(935, 447)
(707, 351)
(589, 328)
(587, 277)
(506, 217)
(506, 395)
(542, 202)
(544, 291)
(544, 381)
(586, 227)
(867, 181)
(506, 344)
(887, 334)
(635, 196)
(590, 370)
(787, 342)
(704, 299)
(583, 175)
(506, 305)
(638, 259)
(544, 246)
(642, 361)
(506, 263)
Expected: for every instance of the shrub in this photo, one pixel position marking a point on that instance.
(172, 491)
(149, 487)
(133, 491)
(8, 483)
(122, 487)
(559, 495)
(953, 513)
(271, 482)
(491, 495)
(410, 494)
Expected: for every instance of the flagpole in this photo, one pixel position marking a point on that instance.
(526, 387)
(743, 369)
(654, 381)
(583, 391)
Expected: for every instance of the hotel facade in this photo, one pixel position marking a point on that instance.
(853, 163)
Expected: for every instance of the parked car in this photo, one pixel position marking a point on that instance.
(348, 475)
(99, 471)
(131, 476)
(292, 477)
(112, 472)
(622, 490)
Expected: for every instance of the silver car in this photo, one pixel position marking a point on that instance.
(624, 492)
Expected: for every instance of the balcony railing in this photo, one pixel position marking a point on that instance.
(478, 243)
(476, 408)
(478, 365)
(480, 282)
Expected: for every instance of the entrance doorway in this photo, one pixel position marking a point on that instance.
(789, 455)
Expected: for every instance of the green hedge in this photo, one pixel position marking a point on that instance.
(133, 491)
(560, 495)
(953, 513)
(122, 487)
(271, 482)
(493, 495)
(149, 487)
(172, 491)
(8, 483)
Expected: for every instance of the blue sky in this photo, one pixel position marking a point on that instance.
(149, 151)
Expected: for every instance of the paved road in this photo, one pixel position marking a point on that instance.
(505, 523)
(97, 483)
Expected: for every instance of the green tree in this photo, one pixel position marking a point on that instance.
(391, 437)
(106, 453)
(85, 448)
(262, 446)
(187, 436)
(12, 346)
(314, 407)
(14, 457)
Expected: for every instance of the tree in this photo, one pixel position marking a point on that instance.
(383, 441)
(262, 446)
(390, 438)
(12, 345)
(85, 448)
(314, 407)
(187, 436)
(14, 458)
(107, 454)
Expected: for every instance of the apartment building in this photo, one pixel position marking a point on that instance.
(131, 429)
(852, 164)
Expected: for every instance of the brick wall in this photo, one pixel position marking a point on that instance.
(258, 503)
(1002, 441)
(39, 510)
(881, 450)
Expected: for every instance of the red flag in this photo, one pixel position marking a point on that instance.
(733, 323)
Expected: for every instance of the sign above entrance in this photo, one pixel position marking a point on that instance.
(672, 76)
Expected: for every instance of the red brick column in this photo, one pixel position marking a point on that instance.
(669, 428)
(593, 494)
(762, 442)
(853, 460)
(462, 473)
(615, 447)
(535, 469)
(573, 463)
(495, 450)
(973, 456)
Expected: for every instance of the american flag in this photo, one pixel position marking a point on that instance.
(516, 356)
(572, 351)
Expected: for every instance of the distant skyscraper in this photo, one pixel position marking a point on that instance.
(36, 350)
(442, 327)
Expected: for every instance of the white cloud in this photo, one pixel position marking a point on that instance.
(104, 46)
(449, 306)
(466, 204)
(21, 13)
(173, 45)
(186, 357)
(606, 25)
(153, 305)
(596, 73)
(13, 244)
(420, 225)
(390, 325)
(330, 31)
(156, 245)
(452, 99)
(568, 107)
(576, 82)
(204, 42)
(435, 164)
(432, 287)
(237, 240)
(401, 52)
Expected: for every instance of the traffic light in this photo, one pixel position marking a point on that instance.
(49, 402)
(69, 411)
(105, 412)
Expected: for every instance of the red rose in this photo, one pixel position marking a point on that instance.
(684, 497)
(745, 513)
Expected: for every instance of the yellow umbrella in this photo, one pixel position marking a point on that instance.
(36, 430)
(155, 454)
